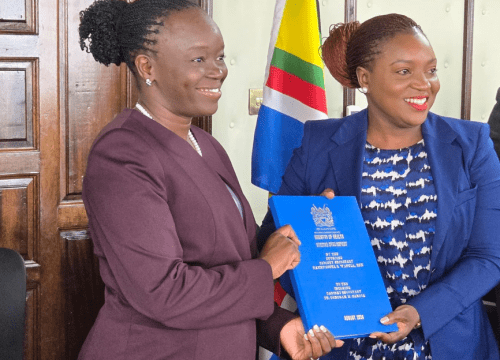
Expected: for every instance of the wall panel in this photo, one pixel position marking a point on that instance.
(18, 214)
(18, 16)
(83, 288)
(19, 111)
(485, 59)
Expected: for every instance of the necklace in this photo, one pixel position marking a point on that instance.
(190, 134)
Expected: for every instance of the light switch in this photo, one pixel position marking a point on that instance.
(255, 97)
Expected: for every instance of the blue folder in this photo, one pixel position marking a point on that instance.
(337, 283)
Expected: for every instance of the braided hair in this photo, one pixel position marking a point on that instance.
(115, 31)
(354, 45)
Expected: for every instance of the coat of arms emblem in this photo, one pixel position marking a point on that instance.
(322, 216)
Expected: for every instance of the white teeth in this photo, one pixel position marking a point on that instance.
(416, 101)
(211, 90)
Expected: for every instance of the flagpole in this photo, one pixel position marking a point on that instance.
(349, 15)
(319, 16)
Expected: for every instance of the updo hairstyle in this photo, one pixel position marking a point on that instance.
(115, 31)
(351, 45)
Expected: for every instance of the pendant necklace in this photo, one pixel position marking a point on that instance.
(190, 134)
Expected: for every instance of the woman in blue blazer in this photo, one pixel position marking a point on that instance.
(428, 188)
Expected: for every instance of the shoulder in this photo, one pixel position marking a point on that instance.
(464, 131)
(125, 125)
(123, 140)
(340, 130)
(325, 127)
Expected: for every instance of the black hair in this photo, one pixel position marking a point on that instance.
(115, 31)
(352, 45)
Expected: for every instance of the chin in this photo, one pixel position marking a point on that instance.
(209, 111)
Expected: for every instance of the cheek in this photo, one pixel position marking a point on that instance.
(224, 73)
(435, 86)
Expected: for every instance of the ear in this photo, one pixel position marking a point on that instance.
(363, 77)
(144, 66)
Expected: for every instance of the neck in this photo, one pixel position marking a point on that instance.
(177, 124)
(387, 138)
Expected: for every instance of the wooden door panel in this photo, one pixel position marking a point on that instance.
(18, 16)
(18, 216)
(19, 155)
(83, 289)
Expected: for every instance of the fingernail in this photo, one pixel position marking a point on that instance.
(339, 343)
(373, 336)
(305, 337)
(384, 320)
(324, 329)
(311, 332)
(316, 328)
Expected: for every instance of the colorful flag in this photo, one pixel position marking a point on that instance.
(294, 90)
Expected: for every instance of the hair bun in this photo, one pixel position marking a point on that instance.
(100, 31)
(334, 51)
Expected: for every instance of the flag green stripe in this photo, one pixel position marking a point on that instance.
(294, 65)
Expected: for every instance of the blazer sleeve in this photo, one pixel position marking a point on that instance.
(141, 255)
(478, 268)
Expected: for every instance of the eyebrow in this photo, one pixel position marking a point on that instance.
(411, 61)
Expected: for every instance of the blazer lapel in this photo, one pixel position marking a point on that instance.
(347, 157)
(205, 171)
(214, 162)
(445, 158)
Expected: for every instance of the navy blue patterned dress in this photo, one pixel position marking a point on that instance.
(398, 204)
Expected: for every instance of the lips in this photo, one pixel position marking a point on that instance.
(418, 102)
(213, 93)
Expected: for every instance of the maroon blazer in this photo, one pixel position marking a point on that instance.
(177, 259)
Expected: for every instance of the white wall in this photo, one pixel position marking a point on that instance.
(246, 27)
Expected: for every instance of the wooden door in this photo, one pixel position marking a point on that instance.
(54, 100)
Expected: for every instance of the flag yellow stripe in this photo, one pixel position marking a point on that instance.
(299, 32)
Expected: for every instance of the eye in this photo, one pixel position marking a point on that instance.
(221, 58)
(199, 59)
(433, 71)
(404, 72)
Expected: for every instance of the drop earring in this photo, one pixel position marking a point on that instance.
(363, 90)
(148, 82)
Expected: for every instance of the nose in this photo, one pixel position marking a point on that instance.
(421, 82)
(218, 70)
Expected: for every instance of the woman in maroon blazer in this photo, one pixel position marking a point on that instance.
(173, 231)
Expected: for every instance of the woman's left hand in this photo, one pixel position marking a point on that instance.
(406, 318)
(300, 346)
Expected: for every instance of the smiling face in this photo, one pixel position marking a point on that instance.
(402, 84)
(188, 68)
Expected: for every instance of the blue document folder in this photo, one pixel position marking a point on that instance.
(337, 283)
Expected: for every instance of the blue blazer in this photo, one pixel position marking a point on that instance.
(465, 259)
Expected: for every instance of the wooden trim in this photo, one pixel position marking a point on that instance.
(467, 60)
(350, 14)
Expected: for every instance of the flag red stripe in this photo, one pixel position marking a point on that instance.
(279, 293)
(293, 86)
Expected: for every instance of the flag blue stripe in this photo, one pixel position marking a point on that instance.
(276, 135)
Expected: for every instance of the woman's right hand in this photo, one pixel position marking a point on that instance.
(281, 250)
